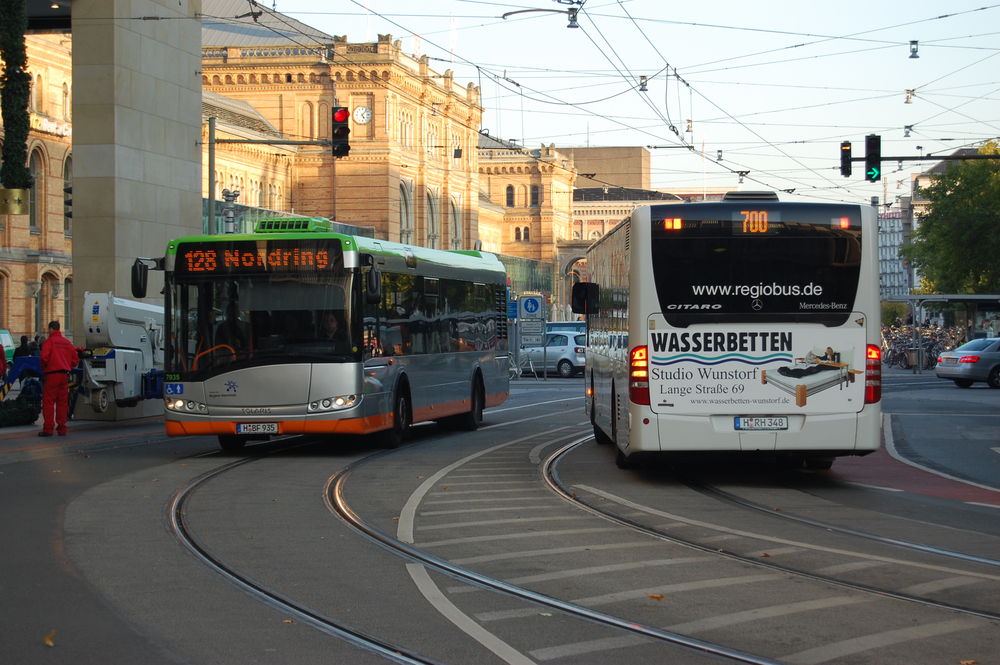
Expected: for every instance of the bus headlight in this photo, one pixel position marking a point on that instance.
(338, 403)
(188, 406)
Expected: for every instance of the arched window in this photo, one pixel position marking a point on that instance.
(405, 215)
(306, 122)
(35, 194)
(433, 233)
(510, 196)
(67, 184)
(457, 235)
(536, 196)
(517, 234)
(527, 234)
(68, 306)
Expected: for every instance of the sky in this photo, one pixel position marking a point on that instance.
(771, 86)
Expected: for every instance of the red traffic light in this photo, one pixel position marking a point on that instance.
(340, 132)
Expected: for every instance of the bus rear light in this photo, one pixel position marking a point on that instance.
(638, 376)
(845, 222)
(873, 375)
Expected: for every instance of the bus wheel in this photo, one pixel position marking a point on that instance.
(396, 435)
(474, 418)
(231, 442)
(623, 461)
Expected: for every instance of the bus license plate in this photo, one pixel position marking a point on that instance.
(761, 422)
(257, 428)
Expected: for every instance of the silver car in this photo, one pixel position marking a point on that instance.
(977, 360)
(564, 353)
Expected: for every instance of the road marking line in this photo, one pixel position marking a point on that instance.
(772, 539)
(939, 585)
(856, 645)
(553, 551)
(635, 594)
(433, 594)
(591, 570)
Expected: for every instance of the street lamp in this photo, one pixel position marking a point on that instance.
(571, 13)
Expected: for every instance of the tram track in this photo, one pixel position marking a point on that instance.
(334, 497)
(338, 504)
(535, 463)
(268, 596)
(551, 477)
(730, 498)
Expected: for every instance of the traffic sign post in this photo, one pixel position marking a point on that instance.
(530, 307)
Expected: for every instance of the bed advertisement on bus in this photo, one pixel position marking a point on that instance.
(756, 369)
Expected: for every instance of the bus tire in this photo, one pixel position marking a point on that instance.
(474, 418)
(231, 442)
(397, 434)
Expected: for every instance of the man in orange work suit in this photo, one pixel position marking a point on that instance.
(59, 357)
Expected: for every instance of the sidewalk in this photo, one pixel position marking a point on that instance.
(24, 438)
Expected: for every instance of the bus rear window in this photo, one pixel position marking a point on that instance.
(746, 262)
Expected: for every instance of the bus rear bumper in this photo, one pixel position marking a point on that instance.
(839, 434)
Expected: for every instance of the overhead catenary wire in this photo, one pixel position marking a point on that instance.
(531, 93)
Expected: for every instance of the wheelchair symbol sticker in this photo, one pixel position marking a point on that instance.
(174, 388)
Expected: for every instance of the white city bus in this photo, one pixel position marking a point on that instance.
(742, 325)
(295, 329)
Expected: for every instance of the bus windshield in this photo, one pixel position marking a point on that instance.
(740, 262)
(225, 318)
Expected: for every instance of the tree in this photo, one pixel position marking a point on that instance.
(956, 244)
(15, 86)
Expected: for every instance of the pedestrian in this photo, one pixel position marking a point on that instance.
(24, 349)
(59, 357)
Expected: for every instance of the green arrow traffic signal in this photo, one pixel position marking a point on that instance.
(873, 174)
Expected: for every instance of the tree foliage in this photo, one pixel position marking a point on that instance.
(15, 87)
(956, 244)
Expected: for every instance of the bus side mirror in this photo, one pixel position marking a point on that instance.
(585, 298)
(373, 287)
(140, 278)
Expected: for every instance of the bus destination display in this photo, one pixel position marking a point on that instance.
(256, 256)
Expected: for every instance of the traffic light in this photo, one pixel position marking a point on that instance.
(68, 202)
(339, 136)
(873, 157)
(845, 159)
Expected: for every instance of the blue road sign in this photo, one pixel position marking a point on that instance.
(530, 306)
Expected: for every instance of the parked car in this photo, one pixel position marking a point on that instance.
(976, 360)
(563, 353)
(570, 326)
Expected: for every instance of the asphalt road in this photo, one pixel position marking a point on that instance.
(91, 572)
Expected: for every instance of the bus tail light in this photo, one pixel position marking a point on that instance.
(638, 376)
(873, 375)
